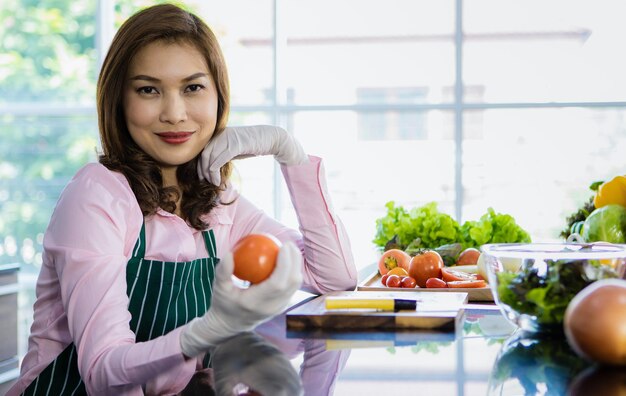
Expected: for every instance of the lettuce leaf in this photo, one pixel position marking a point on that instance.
(425, 227)
(426, 223)
(493, 227)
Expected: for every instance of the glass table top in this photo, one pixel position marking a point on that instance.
(485, 355)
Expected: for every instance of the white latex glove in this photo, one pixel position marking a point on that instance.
(234, 310)
(248, 141)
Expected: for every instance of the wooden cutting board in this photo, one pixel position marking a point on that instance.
(436, 311)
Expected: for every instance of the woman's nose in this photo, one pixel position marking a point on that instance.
(173, 109)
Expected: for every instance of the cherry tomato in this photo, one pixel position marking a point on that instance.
(468, 256)
(435, 283)
(467, 284)
(255, 256)
(383, 280)
(393, 258)
(427, 264)
(393, 281)
(450, 275)
(407, 282)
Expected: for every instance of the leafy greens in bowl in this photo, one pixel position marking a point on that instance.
(534, 283)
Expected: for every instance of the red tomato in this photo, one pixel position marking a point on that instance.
(393, 281)
(427, 264)
(468, 256)
(408, 283)
(435, 283)
(383, 280)
(255, 257)
(393, 258)
(467, 284)
(450, 275)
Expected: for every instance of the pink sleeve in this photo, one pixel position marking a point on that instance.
(328, 261)
(89, 239)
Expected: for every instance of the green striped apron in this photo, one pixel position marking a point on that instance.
(163, 295)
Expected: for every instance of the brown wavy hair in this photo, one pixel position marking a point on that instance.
(171, 24)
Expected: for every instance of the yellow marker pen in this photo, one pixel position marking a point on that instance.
(381, 304)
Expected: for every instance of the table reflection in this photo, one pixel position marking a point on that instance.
(320, 366)
(247, 364)
(485, 355)
(534, 365)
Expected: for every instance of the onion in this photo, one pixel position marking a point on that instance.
(595, 322)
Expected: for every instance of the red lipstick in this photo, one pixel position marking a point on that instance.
(174, 137)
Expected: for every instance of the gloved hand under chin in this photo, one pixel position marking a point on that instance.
(234, 310)
(248, 141)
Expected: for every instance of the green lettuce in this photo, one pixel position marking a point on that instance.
(424, 224)
(425, 227)
(493, 227)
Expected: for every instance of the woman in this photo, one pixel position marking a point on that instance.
(129, 298)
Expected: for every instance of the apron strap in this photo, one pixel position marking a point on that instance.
(139, 250)
(209, 242)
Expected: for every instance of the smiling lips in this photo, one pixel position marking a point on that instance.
(175, 137)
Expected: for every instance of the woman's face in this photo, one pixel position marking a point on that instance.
(170, 102)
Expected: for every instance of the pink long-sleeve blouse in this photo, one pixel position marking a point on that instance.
(81, 290)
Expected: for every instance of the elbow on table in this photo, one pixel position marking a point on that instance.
(344, 284)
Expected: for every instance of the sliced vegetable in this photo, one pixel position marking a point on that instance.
(468, 269)
(398, 271)
(467, 284)
(450, 275)
(393, 258)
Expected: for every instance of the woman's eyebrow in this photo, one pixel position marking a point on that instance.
(195, 76)
(154, 79)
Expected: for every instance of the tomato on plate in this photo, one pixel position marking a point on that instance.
(468, 256)
(450, 275)
(436, 283)
(393, 281)
(407, 282)
(424, 265)
(393, 258)
(383, 279)
(467, 284)
(255, 256)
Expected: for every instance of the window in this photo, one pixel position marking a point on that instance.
(473, 104)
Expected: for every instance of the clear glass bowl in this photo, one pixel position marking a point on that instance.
(532, 283)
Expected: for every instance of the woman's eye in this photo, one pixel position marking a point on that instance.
(146, 90)
(195, 88)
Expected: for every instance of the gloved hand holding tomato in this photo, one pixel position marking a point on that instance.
(255, 257)
(235, 309)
